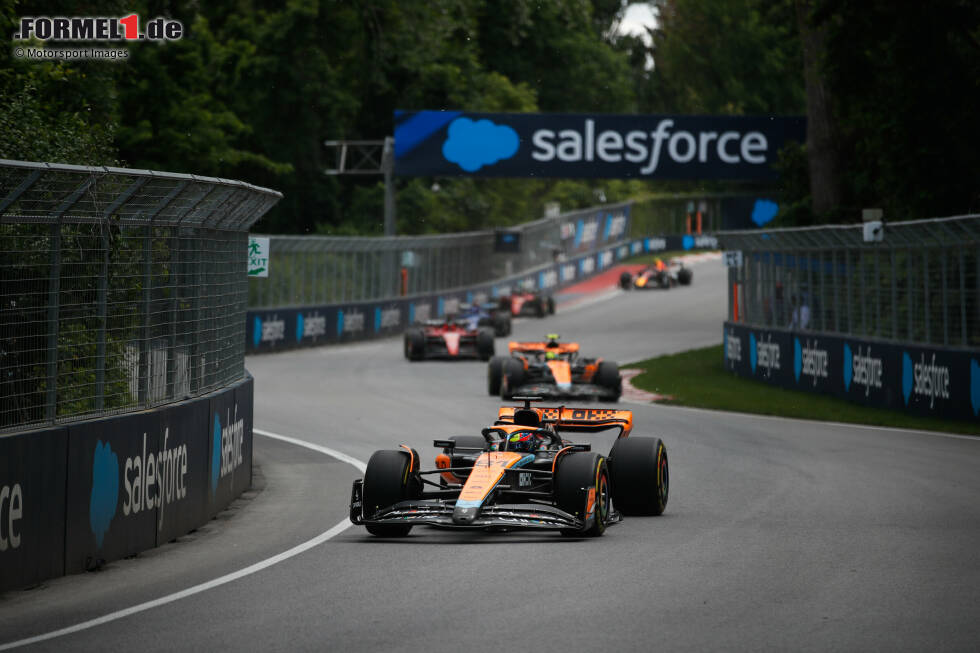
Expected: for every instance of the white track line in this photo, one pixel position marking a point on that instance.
(222, 580)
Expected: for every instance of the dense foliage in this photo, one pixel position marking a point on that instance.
(255, 87)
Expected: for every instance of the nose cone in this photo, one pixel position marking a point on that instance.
(465, 516)
(562, 373)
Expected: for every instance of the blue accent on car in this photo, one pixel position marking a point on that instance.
(340, 323)
(411, 133)
(752, 352)
(797, 359)
(688, 242)
(764, 211)
(257, 331)
(216, 454)
(299, 327)
(975, 385)
(105, 491)
(848, 367)
(472, 145)
(908, 376)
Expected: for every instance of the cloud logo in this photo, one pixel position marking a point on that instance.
(411, 313)
(377, 319)
(908, 376)
(797, 358)
(688, 242)
(848, 367)
(299, 327)
(340, 323)
(764, 211)
(975, 385)
(216, 454)
(105, 491)
(257, 331)
(472, 145)
(752, 352)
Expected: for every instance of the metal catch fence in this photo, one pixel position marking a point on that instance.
(313, 270)
(119, 289)
(919, 284)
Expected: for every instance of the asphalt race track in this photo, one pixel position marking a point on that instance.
(779, 534)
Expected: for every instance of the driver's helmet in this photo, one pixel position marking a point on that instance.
(552, 340)
(551, 355)
(522, 441)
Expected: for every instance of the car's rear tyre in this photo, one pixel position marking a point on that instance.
(684, 276)
(625, 280)
(513, 377)
(414, 344)
(388, 480)
(484, 343)
(607, 376)
(495, 374)
(501, 326)
(583, 470)
(551, 305)
(640, 475)
(539, 307)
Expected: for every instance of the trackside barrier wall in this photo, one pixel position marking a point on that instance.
(307, 326)
(73, 497)
(932, 381)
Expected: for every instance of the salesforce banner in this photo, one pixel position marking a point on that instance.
(932, 381)
(457, 143)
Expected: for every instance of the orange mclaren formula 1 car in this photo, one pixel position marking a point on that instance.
(521, 474)
(552, 369)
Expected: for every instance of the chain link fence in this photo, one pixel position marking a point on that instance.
(119, 289)
(313, 270)
(919, 284)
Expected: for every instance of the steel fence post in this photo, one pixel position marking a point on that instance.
(54, 295)
(103, 312)
(942, 262)
(962, 298)
(925, 295)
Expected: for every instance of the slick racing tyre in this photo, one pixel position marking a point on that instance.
(684, 276)
(501, 326)
(608, 377)
(388, 480)
(539, 307)
(414, 344)
(484, 343)
(640, 475)
(577, 476)
(495, 374)
(513, 377)
(551, 305)
(626, 281)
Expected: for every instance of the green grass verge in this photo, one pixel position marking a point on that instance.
(698, 378)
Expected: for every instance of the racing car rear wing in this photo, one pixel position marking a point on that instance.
(582, 420)
(561, 348)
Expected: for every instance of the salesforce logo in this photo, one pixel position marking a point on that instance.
(688, 242)
(105, 491)
(226, 448)
(862, 369)
(924, 379)
(809, 360)
(763, 212)
(472, 145)
(257, 331)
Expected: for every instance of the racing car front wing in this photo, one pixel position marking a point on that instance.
(439, 512)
